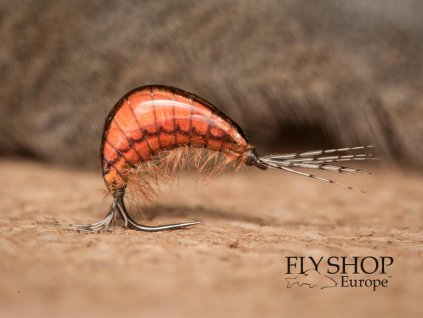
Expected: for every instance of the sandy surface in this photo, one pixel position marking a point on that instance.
(233, 264)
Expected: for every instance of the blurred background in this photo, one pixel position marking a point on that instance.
(294, 74)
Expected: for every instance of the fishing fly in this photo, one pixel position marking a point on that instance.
(154, 131)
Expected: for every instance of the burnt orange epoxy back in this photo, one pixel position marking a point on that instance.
(155, 118)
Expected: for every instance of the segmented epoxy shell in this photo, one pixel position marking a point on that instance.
(155, 118)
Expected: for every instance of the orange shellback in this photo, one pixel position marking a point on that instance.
(155, 118)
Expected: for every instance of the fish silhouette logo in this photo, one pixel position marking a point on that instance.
(311, 278)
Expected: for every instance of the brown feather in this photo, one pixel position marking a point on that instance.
(145, 179)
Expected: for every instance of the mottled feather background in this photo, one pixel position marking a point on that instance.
(293, 74)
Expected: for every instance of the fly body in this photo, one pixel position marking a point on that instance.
(155, 129)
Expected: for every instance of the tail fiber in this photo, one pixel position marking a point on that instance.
(315, 160)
